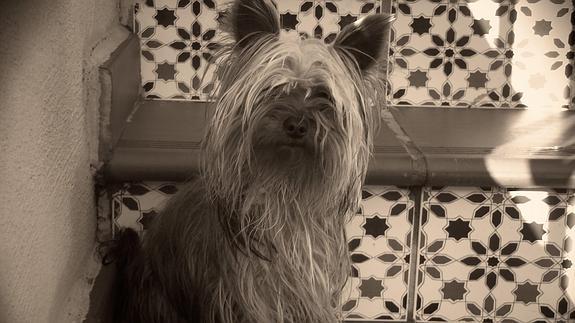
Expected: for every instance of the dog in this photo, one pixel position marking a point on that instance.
(259, 235)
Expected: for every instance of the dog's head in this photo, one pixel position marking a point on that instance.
(286, 153)
(294, 113)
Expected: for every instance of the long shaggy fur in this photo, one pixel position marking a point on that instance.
(259, 236)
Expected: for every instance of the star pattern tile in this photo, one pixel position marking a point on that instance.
(492, 254)
(491, 53)
(178, 38)
(134, 205)
(379, 242)
(482, 53)
(375, 227)
(458, 229)
(370, 288)
(485, 254)
(454, 290)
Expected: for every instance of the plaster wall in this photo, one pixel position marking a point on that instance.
(48, 142)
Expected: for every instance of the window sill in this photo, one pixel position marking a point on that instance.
(464, 147)
(160, 140)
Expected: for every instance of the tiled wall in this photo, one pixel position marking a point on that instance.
(496, 254)
(441, 254)
(485, 53)
(178, 38)
(380, 246)
(480, 53)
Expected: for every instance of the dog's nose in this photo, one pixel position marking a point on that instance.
(296, 128)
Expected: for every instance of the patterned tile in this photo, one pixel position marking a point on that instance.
(488, 53)
(179, 37)
(379, 241)
(380, 244)
(568, 264)
(322, 18)
(543, 52)
(134, 204)
(489, 254)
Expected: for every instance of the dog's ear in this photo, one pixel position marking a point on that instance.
(251, 19)
(364, 39)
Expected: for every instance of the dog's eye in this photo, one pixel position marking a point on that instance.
(322, 100)
(323, 108)
(323, 94)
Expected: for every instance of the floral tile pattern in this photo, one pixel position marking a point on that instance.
(379, 239)
(489, 254)
(482, 53)
(380, 245)
(485, 254)
(134, 204)
(479, 53)
(178, 38)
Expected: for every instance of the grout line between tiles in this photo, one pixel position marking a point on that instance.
(562, 270)
(416, 193)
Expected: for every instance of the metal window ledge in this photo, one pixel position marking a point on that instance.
(160, 140)
(519, 148)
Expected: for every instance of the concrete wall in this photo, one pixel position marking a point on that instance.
(48, 140)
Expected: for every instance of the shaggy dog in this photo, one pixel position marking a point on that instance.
(259, 235)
